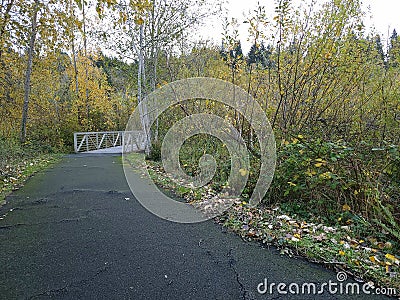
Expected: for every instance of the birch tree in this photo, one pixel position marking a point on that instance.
(27, 82)
(30, 28)
(147, 29)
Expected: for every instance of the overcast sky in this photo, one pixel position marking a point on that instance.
(384, 16)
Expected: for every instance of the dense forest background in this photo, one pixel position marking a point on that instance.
(327, 83)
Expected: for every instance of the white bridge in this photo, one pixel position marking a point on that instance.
(109, 141)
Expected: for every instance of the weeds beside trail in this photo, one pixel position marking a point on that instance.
(18, 163)
(352, 243)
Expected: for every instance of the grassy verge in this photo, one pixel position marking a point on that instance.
(368, 257)
(338, 247)
(17, 164)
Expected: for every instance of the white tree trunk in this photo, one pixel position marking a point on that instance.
(143, 110)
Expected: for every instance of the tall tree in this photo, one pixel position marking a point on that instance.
(394, 50)
(30, 28)
(382, 55)
(5, 13)
(27, 82)
(148, 28)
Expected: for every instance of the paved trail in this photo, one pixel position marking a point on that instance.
(72, 233)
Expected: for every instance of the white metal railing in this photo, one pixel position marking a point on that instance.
(89, 141)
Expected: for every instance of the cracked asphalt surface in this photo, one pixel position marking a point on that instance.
(76, 231)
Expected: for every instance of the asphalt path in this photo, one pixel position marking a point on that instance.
(76, 231)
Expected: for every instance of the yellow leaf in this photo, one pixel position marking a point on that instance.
(243, 172)
(318, 165)
(326, 175)
(310, 172)
(139, 21)
(346, 207)
(388, 269)
(381, 245)
(390, 256)
(291, 183)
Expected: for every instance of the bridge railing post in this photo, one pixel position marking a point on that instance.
(76, 142)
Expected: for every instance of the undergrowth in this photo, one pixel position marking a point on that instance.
(353, 190)
(19, 162)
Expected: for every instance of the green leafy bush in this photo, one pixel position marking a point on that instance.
(336, 181)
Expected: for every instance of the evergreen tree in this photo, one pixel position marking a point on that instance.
(394, 49)
(265, 57)
(234, 56)
(381, 54)
(236, 53)
(252, 55)
(260, 55)
(394, 35)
